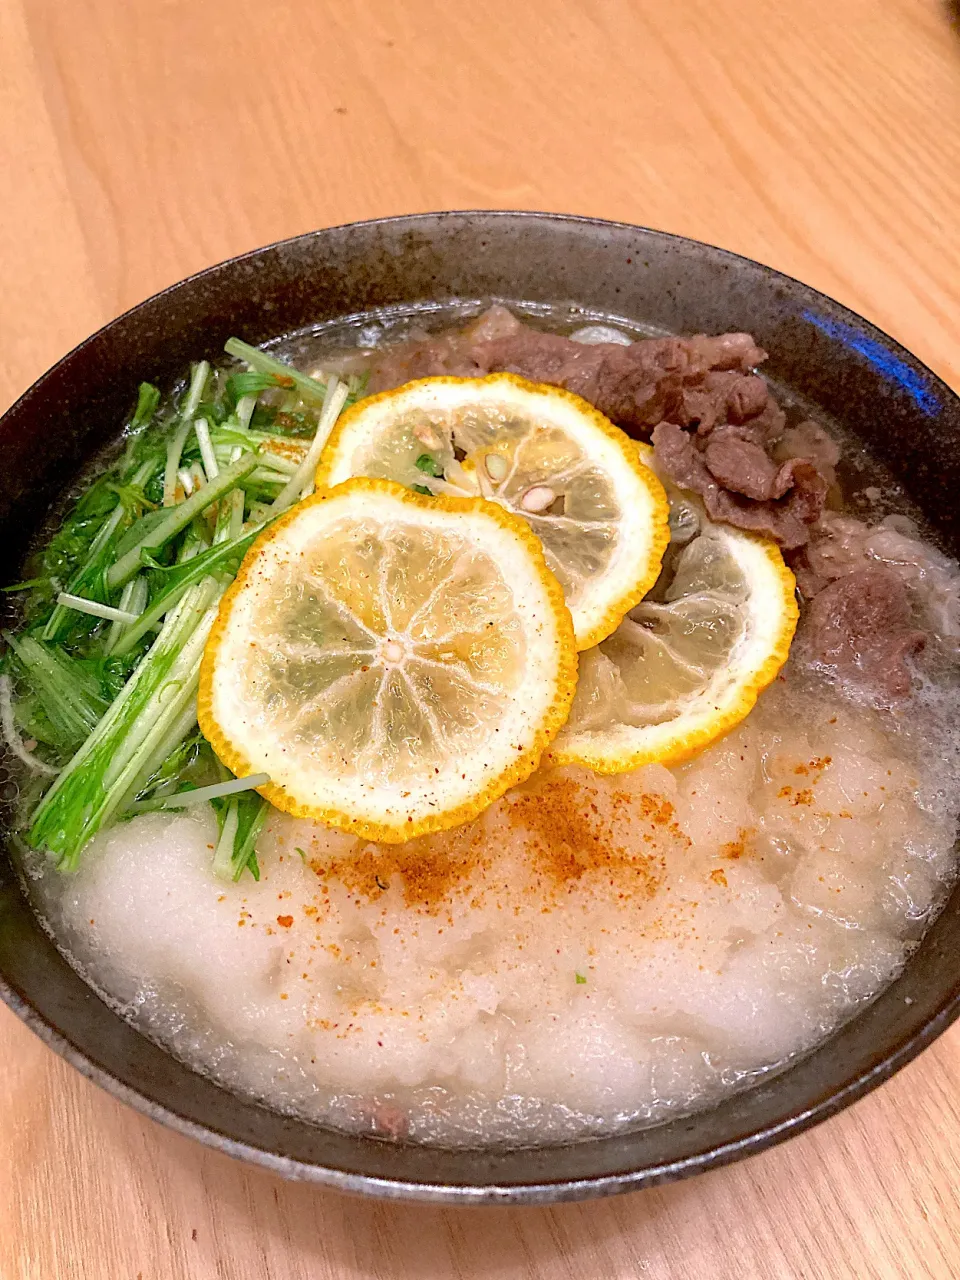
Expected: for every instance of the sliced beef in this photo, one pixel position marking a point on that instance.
(842, 545)
(735, 456)
(634, 385)
(424, 358)
(837, 546)
(451, 354)
(719, 396)
(795, 497)
(716, 424)
(809, 440)
(859, 628)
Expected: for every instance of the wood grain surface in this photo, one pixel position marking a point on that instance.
(143, 139)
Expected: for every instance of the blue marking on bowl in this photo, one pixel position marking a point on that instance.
(895, 370)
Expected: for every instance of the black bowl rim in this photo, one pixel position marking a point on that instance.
(542, 1192)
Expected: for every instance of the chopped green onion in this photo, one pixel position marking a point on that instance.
(580, 979)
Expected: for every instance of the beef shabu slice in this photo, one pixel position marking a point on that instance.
(716, 425)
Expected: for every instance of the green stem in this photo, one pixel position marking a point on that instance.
(68, 696)
(308, 387)
(111, 762)
(88, 577)
(214, 560)
(179, 517)
(198, 380)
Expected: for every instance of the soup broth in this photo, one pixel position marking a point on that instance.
(594, 951)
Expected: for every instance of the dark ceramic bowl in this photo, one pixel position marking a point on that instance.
(844, 365)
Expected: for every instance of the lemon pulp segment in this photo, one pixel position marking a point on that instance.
(541, 452)
(393, 662)
(689, 661)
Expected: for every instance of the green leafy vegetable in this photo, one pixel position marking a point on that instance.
(284, 374)
(70, 695)
(177, 519)
(95, 553)
(106, 681)
(241, 821)
(250, 383)
(148, 401)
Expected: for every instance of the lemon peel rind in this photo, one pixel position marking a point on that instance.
(521, 767)
(620, 757)
(609, 618)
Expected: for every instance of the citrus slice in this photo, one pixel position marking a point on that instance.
(539, 451)
(688, 663)
(393, 662)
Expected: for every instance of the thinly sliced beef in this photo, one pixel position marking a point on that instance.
(424, 358)
(452, 354)
(715, 424)
(715, 397)
(637, 385)
(809, 440)
(785, 518)
(860, 628)
(842, 545)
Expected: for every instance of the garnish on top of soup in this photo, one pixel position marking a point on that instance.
(391, 663)
(688, 663)
(545, 454)
(730, 843)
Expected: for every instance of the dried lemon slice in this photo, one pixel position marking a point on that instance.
(539, 451)
(688, 663)
(393, 662)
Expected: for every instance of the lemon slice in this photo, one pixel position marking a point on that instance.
(688, 663)
(539, 451)
(393, 662)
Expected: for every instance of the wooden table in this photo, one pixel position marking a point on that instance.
(143, 139)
